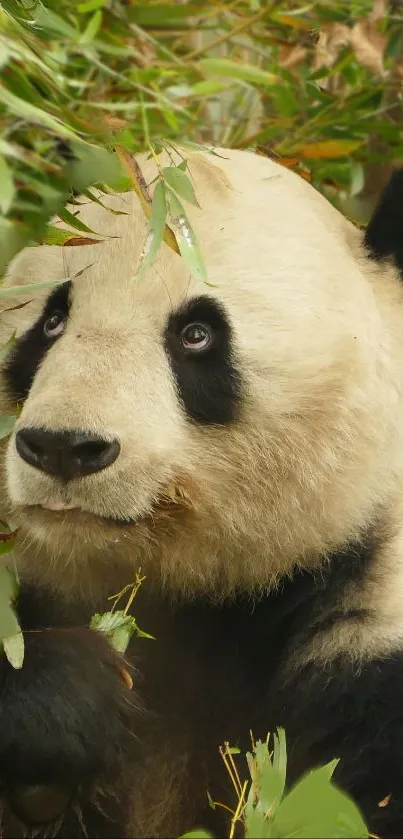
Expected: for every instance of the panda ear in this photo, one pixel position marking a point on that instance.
(384, 234)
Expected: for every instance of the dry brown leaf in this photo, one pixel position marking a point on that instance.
(378, 10)
(113, 122)
(125, 677)
(290, 58)
(77, 241)
(140, 188)
(327, 149)
(369, 45)
(295, 22)
(332, 38)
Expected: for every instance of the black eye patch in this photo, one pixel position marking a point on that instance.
(208, 381)
(22, 364)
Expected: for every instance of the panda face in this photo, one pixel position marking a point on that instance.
(214, 434)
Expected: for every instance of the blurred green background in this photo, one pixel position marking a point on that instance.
(316, 85)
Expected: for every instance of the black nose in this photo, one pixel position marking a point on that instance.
(66, 454)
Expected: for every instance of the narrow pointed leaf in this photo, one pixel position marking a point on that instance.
(7, 423)
(224, 67)
(14, 649)
(157, 228)
(186, 238)
(180, 182)
(7, 190)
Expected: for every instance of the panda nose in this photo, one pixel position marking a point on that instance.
(65, 454)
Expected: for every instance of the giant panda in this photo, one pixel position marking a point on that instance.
(240, 441)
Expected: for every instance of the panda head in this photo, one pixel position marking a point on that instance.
(215, 435)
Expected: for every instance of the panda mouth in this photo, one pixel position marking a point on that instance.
(60, 509)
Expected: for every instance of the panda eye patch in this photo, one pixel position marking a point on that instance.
(198, 344)
(30, 349)
(196, 337)
(55, 325)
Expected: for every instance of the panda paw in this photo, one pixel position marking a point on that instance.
(65, 721)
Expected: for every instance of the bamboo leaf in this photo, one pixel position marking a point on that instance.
(181, 184)
(10, 291)
(27, 111)
(74, 221)
(66, 238)
(14, 649)
(186, 238)
(7, 190)
(6, 348)
(92, 28)
(328, 149)
(91, 5)
(224, 67)
(7, 423)
(118, 627)
(157, 228)
(140, 189)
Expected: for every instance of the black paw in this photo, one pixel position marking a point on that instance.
(65, 721)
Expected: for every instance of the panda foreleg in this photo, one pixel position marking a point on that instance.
(66, 721)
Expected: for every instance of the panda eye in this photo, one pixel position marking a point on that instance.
(196, 337)
(54, 326)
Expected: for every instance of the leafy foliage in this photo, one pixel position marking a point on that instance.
(309, 83)
(312, 809)
(11, 637)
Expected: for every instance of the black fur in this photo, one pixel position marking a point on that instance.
(384, 234)
(65, 719)
(29, 350)
(214, 673)
(209, 383)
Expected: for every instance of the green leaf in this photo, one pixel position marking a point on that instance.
(74, 221)
(14, 649)
(187, 242)
(197, 834)
(94, 165)
(280, 758)
(268, 781)
(10, 632)
(58, 236)
(118, 627)
(7, 546)
(10, 291)
(91, 5)
(26, 111)
(8, 585)
(357, 178)
(6, 348)
(7, 423)
(157, 228)
(7, 190)
(150, 14)
(181, 184)
(234, 70)
(92, 28)
(50, 21)
(315, 808)
(209, 87)
(9, 626)
(4, 54)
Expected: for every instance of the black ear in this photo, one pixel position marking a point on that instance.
(384, 234)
